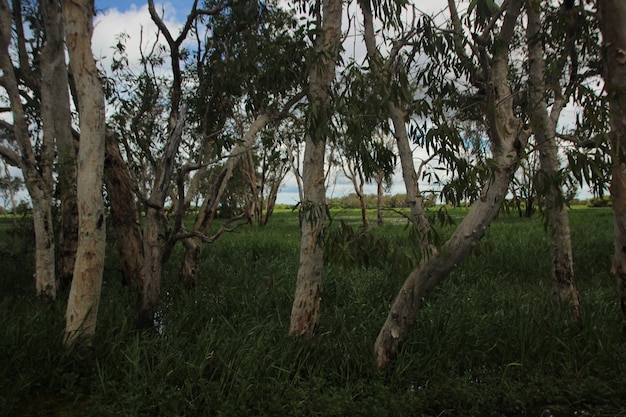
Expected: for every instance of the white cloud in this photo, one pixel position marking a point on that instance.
(137, 24)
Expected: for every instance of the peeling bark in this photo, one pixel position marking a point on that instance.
(507, 136)
(612, 17)
(84, 298)
(544, 126)
(305, 312)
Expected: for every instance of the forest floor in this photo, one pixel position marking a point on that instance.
(489, 341)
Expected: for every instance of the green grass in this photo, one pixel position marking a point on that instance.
(488, 342)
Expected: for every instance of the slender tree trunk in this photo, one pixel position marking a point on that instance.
(193, 245)
(414, 198)
(507, 138)
(124, 216)
(7, 172)
(273, 195)
(355, 175)
(305, 312)
(544, 126)
(84, 298)
(37, 175)
(57, 120)
(379, 200)
(612, 15)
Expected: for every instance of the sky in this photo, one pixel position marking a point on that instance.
(116, 16)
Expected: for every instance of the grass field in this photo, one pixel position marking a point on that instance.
(488, 343)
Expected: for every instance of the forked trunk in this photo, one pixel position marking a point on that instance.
(84, 298)
(37, 174)
(612, 15)
(414, 198)
(204, 220)
(507, 137)
(305, 311)
(544, 126)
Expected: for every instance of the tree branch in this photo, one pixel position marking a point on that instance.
(10, 156)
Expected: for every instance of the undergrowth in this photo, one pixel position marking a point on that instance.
(489, 341)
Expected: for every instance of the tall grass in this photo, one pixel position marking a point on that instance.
(488, 342)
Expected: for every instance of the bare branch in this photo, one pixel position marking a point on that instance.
(224, 228)
(10, 156)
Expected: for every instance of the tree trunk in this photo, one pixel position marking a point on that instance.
(507, 137)
(355, 175)
(153, 268)
(124, 216)
(84, 298)
(414, 198)
(612, 16)
(37, 175)
(379, 200)
(544, 127)
(305, 312)
(57, 121)
(193, 245)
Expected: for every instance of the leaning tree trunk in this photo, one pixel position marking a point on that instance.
(507, 137)
(544, 127)
(84, 298)
(57, 121)
(204, 220)
(612, 15)
(37, 174)
(305, 312)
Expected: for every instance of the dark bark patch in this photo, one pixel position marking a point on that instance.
(100, 222)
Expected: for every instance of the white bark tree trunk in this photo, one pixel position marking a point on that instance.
(507, 137)
(37, 175)
(414, 197)
(305, 312)
(57, 122)
(544, 126)
(84, 298)
(612, 15)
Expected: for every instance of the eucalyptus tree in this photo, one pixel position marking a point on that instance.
(265, 168)
(398, 96)
(84, 297)
(612, 19)
(549, 93)
(58, 123)
(484, 61)
(321, 63)
(158, 142)
(250, 66)
(35, 82)
(245, 60)
(359, 146)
